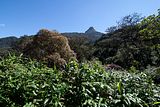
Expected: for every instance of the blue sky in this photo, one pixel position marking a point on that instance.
(20, 17)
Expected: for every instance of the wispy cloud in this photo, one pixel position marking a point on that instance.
(2, 25)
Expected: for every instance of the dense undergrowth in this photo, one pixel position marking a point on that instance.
(27, 83)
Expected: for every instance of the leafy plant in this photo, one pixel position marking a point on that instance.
(28, 83)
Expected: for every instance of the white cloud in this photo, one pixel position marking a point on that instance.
(2, 25)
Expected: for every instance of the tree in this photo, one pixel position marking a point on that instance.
(130, 20)
(159, 12)
(82, 46)
(150, 27)
(50, 47)
(111, 29)
(22, 42)
(135, 43)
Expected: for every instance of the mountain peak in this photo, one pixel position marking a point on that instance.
(91, 30)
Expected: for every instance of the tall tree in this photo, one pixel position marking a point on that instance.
(50, 47)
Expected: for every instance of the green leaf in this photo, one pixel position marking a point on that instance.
(46, 101)
(119, 86)
(156, 103)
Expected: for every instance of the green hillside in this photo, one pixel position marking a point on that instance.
(120, 68)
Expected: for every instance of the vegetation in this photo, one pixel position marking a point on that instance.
(7, 42)
(49, 47)
(132, 43)
(6, 45)
(28, 83)
(82, 46)
(120, 69)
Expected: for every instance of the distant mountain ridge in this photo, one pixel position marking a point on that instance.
(7, 42)
(91, 33)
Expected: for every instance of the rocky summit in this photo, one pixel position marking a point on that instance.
(90, 30)
(90, 33)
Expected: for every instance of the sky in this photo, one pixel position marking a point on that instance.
(27, 17)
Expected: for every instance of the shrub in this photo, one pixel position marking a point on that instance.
(28, 83)
(90, 85)
(24, 82)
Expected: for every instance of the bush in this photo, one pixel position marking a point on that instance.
(28, 83)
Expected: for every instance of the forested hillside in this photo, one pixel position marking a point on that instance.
(134, 42)
(7, 42)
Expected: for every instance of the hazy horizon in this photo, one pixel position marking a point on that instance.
(26, 17)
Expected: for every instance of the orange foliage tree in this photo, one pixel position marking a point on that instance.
(50, 47)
